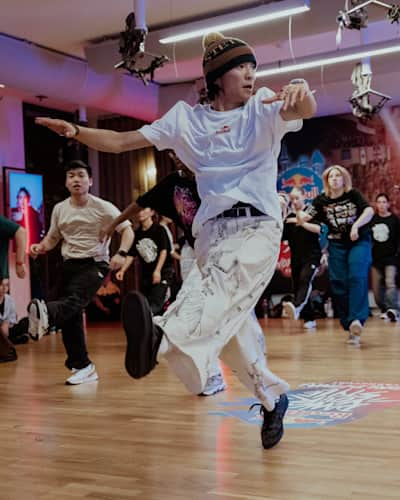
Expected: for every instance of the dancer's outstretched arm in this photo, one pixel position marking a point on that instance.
(100, 139)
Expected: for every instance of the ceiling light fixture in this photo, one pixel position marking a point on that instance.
(342, 56)
(238, 19)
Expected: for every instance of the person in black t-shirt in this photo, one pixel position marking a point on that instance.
(305, 257)
(346, 213)
(176, 197)
(385, 228)
(153, 248)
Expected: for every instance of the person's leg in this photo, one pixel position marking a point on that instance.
(157, 295)
(377, 288)
(237, 258)
(7, 350)
(80, 281)
(339, 280)
(391, 296)
(244, 355)
(359, 261)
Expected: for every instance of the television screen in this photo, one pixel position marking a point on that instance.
(24, 202)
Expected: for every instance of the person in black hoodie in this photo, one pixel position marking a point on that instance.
(305, 256)
(385, 228)
(346, 213)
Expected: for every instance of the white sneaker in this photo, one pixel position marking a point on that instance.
(290, 310)
(309, 325)
(393, 315)
(214, 384)
(38, 319)
(83, 376)
(355, 332)
(384, 316)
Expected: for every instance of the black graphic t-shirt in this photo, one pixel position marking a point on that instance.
(176, 197)
(304, 245)
(339, 214)
(148, 246)
(385, 239)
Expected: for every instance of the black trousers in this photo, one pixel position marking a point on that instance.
(303, 276)
(79, 281)
(157, 294)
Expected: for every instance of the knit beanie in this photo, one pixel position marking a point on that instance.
(222, 54)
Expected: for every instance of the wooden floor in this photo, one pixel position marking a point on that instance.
(148, 439)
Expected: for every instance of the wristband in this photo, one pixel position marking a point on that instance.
(77, 129)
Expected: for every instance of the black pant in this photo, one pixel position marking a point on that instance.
(303, 275)
(156, 294)
(79, 281)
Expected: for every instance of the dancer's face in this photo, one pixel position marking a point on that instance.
(382, 205)
(78, 181)
(297, 199)
(145, 215)
(335, 180)
(237, 84)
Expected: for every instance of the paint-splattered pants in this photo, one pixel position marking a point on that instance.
(213, 318)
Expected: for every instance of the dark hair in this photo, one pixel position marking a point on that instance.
(382, 194)
(72, 165)
(24, 190)
(212, 91)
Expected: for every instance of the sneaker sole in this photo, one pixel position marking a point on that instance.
(218, 388)
(138, 326)
(91, 378)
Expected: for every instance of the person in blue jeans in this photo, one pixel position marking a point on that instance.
(346, 213)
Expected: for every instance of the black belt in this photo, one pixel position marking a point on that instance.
(241, 210)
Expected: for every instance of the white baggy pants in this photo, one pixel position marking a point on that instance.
(236, 258)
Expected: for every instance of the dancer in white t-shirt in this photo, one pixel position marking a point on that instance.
(232, 145)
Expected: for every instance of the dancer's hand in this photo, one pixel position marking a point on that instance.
(37, 249)
(290, 94)
(20, 269)
(354, 233)
(156, 277)
(120, 275)
(60, 127)
(116, 262)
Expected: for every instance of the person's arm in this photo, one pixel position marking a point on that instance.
(309, 226)
(157, 271)
(20, 243)
(50, 240)
(99, 139)
(120, 274)
(129, 212)
(298, 101)
(127, 236)
(364, 218)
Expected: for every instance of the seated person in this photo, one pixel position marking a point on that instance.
(11, 329)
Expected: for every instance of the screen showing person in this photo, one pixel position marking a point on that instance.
(25, 195)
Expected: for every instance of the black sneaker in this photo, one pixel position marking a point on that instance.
(143, 337)
(10, 356)
(272, 427)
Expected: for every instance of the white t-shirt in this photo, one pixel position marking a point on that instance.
(79, 228)
(233, 153)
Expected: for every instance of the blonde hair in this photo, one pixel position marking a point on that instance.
(347, 183)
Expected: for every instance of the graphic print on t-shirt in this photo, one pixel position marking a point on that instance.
(341, 215)
(147, 249)
(185, 204)
(380, 232)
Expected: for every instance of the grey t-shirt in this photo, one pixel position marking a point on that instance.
(79, 228)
